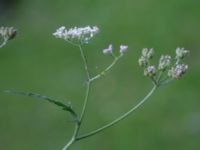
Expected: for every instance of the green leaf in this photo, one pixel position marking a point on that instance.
(43, 97)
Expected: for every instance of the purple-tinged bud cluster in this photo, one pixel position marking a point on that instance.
(150, 71)
(123, 48)
(109, 50)
(177, 71)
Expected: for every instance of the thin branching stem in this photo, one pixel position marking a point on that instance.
(106, 69)
(119, 118)
(87, 83)
(78, 124)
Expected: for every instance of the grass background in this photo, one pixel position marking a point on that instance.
(36, 61)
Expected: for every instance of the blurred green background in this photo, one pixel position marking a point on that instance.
(36, 61)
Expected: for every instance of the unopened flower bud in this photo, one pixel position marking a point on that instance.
(108, 50)
(165, 61)
(123, 48)
(177, 71)
(181, 53)
(143, 62)
(150, 71)
(148, 53)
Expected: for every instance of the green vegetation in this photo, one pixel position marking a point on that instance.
(36, 61)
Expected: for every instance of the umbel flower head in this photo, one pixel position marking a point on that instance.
(76, 35)
(166, 71)
(8, 33)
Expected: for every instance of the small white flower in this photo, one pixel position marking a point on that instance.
(177, 71)
(148, 53)
(59, 32)
(165, 61)
(108, 50)
(123, 48)
(181, 53)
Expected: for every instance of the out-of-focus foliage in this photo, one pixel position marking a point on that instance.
(36, 61)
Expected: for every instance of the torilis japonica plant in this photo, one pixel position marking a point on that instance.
(167, 70)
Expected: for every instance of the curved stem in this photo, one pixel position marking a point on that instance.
(88, 84)
(107, 69)
(78, 124)
(85, 101)
(119, 118)
(73, 138)
(3, 43)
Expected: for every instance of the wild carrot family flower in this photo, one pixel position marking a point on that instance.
(76, 35)
(171, 72)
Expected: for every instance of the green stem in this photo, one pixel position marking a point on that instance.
(78, 124)
(107, 69)
(87, 85)
(3, 43)
(73, 138)
(119, 118)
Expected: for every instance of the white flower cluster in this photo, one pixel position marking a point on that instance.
(179, 69)
(8, 33)
(173, 71)
(76, 35)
